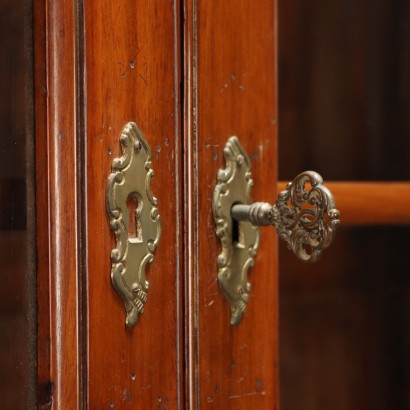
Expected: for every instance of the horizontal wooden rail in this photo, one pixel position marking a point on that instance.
(370, 203)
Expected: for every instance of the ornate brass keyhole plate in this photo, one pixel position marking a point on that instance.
(239, 240)
(130, 181)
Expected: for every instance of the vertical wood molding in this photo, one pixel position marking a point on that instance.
(190, 201)
(56, 91)
(179, 203)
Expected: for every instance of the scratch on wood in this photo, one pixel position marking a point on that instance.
(126, 396)
(241, 379)
(143, 79)
(210, 286)
(253, 393)
(168, 162)
(224, 86)
(261, 150)
(211, 281)
(157, 151)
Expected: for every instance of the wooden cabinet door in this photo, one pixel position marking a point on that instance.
(190, 74)
(107, 63)
(230, 89)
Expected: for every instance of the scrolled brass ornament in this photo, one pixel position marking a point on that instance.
(138, 233)
(306, 217)
(236, 257)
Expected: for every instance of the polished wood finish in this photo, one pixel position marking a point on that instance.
(100, 64)
(97, 67)
(57, 211)
(132, 72)
(370, 203)
(230, 69)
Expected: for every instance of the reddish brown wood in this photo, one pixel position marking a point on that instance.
(56, 203)
(129, 55)
(132, 73)
(230, 57)
(370, 203)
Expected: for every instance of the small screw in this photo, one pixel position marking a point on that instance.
(135, 287)
(137, 146)
(240, 159)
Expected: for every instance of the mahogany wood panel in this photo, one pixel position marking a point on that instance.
(56, 191)
(370, 203)
(132, 74)
(230, 64)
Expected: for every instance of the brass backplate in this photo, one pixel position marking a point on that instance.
(137, 229)
(239, 240)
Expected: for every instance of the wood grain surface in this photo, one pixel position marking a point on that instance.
(231, 90)
(56, 181)
(132, 74)
(98, 66)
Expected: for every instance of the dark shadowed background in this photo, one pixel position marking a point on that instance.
(344, 111)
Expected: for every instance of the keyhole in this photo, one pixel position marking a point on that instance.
(134, 206)
(237, 233)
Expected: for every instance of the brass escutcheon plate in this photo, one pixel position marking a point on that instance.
(239, 240)
(138, 230)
